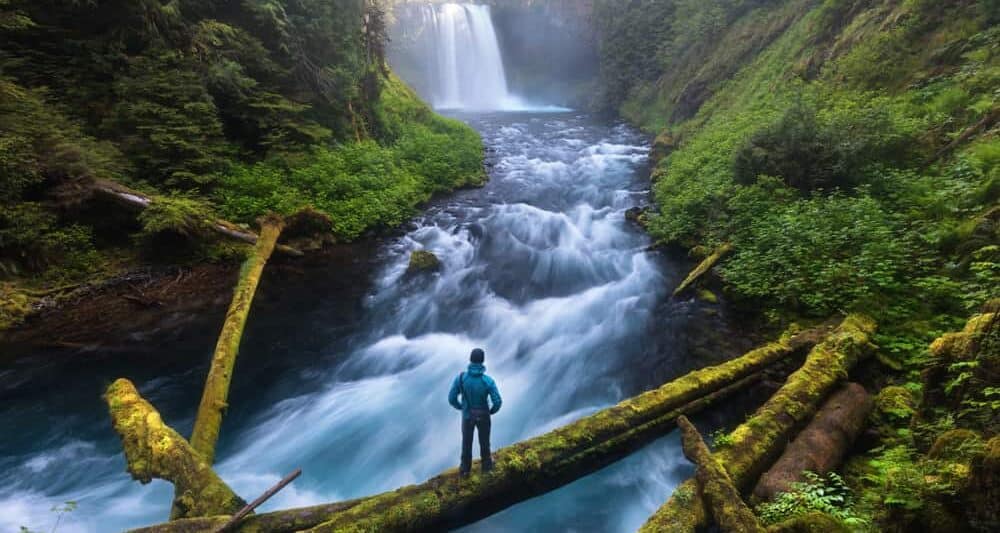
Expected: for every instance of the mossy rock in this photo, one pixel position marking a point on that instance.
(423, 261)
(895, 404)
(957, 445)
(814, 522)
(14, 307)
(707, 296)
(982, 505)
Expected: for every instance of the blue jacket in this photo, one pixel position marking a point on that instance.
(477, 387)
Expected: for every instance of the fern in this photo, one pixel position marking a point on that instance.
(828, 495)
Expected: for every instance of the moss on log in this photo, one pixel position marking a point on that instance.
(757, 442)
(154, 450)
(137, 200)
(532, 467)
(715, 487)
(707, 264)
(821, 446)
(213, 400)
(814, 522)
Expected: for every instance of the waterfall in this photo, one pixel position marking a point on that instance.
(467, 59)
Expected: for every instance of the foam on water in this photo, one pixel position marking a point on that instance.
(539, 268)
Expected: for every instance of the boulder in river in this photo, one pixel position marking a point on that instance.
(423, 261)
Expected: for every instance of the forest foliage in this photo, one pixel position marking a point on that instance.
(849, 153)
(219, 108)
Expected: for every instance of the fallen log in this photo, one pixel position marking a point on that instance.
(715, 487)
(757, 442)
(214, 396)
(244, 512)
(821, 446)
(154, 450)
(707, 264)
(137, 200)
(532, 467)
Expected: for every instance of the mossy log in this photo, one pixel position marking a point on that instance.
(707, 264)
(527, 469)
(757, 442)
(137, 200)
(715, 487)
(821, 446)
(214, 396)
(154, 450)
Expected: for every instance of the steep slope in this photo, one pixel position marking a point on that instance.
(219, 109)
(847, 152)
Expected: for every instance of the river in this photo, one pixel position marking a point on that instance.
(348, 379)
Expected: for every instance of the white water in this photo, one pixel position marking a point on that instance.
(465, 57)
(540, 269)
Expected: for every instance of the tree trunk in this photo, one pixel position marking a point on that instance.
(213, 400)
(532, 467)
(729, 511)
(154, 450)
(821, 446)
(703, 268)
(138, 200)
(756, 443)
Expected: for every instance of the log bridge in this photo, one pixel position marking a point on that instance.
(205, 503)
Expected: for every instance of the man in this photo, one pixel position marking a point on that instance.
(479, 399)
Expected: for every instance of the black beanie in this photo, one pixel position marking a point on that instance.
(478, 356)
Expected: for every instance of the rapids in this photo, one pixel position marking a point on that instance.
(540, 268)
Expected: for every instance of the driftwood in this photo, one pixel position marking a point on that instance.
(821, 446)
(154, 450)
(707, 264)
(137, 200)
(213, 401)
(729, 511)
(756, 443)
(532, 467)
(244, 512)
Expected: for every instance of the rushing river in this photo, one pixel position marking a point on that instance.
(540, 268)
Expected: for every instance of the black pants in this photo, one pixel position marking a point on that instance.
(477, 420)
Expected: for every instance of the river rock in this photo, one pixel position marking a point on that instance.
(423, 261)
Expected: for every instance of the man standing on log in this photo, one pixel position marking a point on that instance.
(480, 399)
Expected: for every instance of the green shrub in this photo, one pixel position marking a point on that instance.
(181, 215)
(31, 240)
(829, 147)
(821, 255)
(825, 494)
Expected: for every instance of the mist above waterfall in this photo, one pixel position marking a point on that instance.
(451, 54)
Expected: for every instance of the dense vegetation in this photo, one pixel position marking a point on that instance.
(216, 108)
(848, 151)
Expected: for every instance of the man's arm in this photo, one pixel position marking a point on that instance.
(495, 398)
(453, 395)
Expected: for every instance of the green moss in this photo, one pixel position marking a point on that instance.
(814, 522)
(216, 392)
(423, 261)
(895, 404)
(154, 450)
(958, 446)
(15, 305)
(758, 441)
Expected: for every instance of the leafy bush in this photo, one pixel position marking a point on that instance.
(365, 184)
(30, 238)
(822, 254)
(181, 215)
(828, 495)
(828, 148)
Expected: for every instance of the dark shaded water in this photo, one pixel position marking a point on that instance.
(348, 378)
